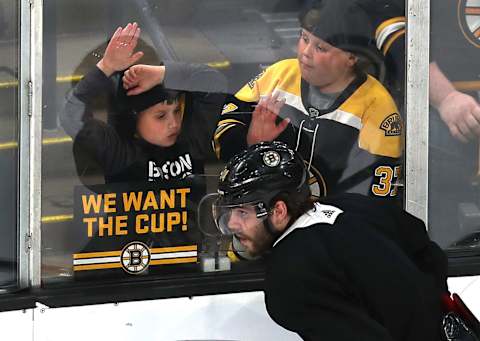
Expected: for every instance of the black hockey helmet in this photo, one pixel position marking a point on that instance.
(258, 174)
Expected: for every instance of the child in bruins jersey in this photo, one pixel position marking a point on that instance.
(322, 104)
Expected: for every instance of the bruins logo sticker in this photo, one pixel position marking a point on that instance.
(468, 15)
(392, 125)
(271, 158)
(135, 258)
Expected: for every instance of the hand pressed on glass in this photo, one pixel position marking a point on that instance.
(264, 125)
(119, 52)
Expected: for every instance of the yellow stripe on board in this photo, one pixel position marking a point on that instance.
(6, 85)
(70, 78)
(467, 85)
(76, 78)
(96, 266)
(219, 65)
(96, 254)
(174, 249)
(57, 218)
(174, 261)
(8, 145)
(60, 79)
(56, 140)
(46, 142)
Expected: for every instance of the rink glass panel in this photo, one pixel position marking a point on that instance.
(9, 138)
(237, 38)
(453, 165)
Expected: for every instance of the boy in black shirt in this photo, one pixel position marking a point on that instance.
(165, 143)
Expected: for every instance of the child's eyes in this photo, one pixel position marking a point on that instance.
(304, 37)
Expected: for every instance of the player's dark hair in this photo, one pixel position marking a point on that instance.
(297, 203)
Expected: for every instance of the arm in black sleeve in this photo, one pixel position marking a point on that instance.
(230, 136)
(80, 98)
(194, 77)
(304, 294)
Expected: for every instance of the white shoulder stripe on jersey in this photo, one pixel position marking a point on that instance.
(337, 115)
(290, 99)
(382, 36)
(343, 117)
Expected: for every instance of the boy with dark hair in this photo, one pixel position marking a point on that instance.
(158, 148)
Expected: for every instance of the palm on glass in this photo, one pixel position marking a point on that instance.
(264, 126)
(119, 54)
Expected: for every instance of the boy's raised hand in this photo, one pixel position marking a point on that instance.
(263, 126)
(140, 78)
(119, 54)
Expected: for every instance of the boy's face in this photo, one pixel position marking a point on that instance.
(161, 124)
(323, 65)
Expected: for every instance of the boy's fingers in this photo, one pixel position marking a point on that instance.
(116, 34)
(131, 32)
(283, 125)
(136, 57)
(135, 37)
(278, 105)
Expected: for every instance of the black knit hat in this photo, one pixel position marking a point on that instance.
(341, 23)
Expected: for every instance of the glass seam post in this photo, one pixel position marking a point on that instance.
(417, 108)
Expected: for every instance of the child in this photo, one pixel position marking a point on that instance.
(157, 149)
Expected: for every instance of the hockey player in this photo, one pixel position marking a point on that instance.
(347, 267)
(341, 120)
(163, 145)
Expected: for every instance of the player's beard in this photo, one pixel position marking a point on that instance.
(259, 242)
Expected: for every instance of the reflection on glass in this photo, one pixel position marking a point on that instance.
(124, 145)
(454, 206)
(9, 49)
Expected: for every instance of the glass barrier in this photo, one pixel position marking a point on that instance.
(125, 173)
(454, 213)
(9, 50)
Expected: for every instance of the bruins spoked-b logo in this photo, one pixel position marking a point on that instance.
(135, 257)
(392, 125)
(271, 158)
(468, 15)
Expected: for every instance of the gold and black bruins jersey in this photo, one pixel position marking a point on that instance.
(353, 146)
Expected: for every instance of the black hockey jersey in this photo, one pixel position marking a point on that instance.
(355, 268)
(353, 146)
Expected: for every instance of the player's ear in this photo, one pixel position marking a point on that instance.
(279, 215)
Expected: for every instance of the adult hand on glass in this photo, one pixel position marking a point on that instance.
(263, 126)
(119, 54)
(140, 78)
(461, 113)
